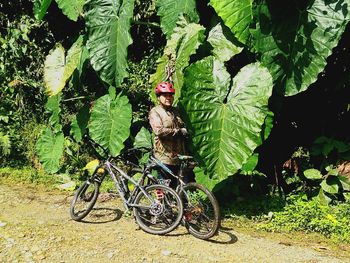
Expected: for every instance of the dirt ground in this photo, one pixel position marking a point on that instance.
(35, 227)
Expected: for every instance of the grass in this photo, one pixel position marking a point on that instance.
(27, 175)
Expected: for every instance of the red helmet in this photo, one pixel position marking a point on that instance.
(164, 87)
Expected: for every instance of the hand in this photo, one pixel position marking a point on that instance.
(183, 131)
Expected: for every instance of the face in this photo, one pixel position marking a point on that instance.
(166, 99)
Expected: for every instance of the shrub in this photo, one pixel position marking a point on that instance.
(300, 214)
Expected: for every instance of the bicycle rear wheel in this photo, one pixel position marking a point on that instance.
(201, 211)
(84, 200)
(160, 211)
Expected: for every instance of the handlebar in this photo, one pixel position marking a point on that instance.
(105, 151)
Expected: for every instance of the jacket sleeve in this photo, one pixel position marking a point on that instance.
(158, 128)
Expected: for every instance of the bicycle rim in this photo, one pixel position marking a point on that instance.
(84, 200)
(201, 211)
(161, 214)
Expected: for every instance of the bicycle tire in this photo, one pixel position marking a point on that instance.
(162, 215)
(201, 211)
(86, 202)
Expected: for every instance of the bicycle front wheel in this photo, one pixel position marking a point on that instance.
(160, 211)
(201, 211)
(84, 200)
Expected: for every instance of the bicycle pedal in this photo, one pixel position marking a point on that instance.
(154, 220)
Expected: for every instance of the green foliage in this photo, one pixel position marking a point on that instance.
(49, 148)
(54, 70)
(110, 122)
(253, 208)
(59, 68)
(27, 174)
(331, 185)
(40, 8)
(223, 47)
(108, 24)
(30, 132)
(329, 151)
(183, 43)
(171, 10)
(80, 122)
(50, 144)
(143, 139)
(225, 120)
(138, 88)
(71, 8)
(295, 41)
(311, 216)
(53, 108)
(23, 44)
(5, 144)
(144, 9)
(75, 157)
(237, 15)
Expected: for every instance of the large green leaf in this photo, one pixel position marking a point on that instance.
(58, 68)
(345, 182)
(225, 120)
(143, 139)
(49, 148)
(52, 106)
(79, 124)
(237, 15)
(330, 185)
(323, 198)
(183, 43)
(313, 174)
(74, 57)
(71, 8)
(223, 48)
(54, 70)
(108, 24)
(204, 179)
(80, 71)
(40, 7)
(170, 10)
(295, 42)
(251, 163)
(110, 122)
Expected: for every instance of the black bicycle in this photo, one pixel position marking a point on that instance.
(201, 209)
(157, 209)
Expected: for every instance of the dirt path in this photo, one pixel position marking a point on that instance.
(35, 227)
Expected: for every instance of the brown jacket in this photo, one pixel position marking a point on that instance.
(168, 141)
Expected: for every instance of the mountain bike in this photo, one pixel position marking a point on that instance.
(157, 208)
(201, 209)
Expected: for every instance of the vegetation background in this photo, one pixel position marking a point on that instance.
(277, 77)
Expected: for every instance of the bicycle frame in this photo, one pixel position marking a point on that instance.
(166, 169)
(128, 202)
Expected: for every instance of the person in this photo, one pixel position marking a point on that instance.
(169, 130)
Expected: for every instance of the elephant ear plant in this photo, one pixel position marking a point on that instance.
(286, 46)
(225, 116)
